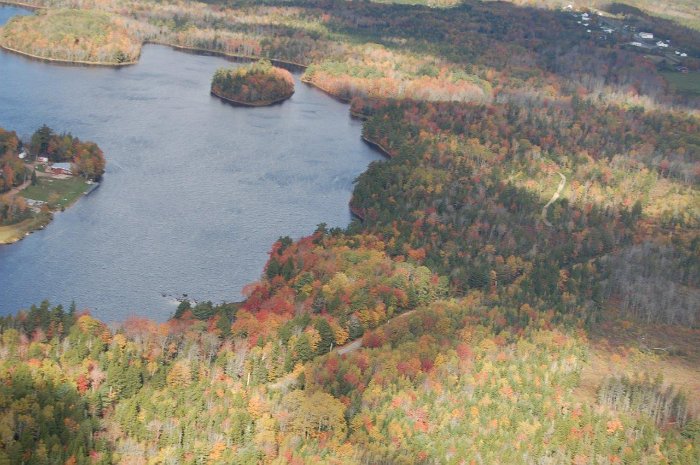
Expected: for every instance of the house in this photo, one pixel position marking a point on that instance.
(22, 155)
(43, 160)
(646, 35)
(661, 44)
(684, 55)
(637, 44)
(61, 168)
(34, 203)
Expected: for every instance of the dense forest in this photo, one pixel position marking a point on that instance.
(256, 84)
(447, 381)
(464, 191)
(12, 174)
(11, 167)
(521, 283)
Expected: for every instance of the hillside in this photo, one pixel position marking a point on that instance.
(520, 284)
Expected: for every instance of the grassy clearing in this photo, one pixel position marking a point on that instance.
(623, 347)
(684, 12)
(14, 232)
(684, 83)
(58, 193)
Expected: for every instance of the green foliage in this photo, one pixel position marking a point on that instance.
(57, 193)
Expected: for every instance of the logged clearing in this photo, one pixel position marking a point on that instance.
(621, 347)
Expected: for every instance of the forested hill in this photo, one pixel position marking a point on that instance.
(521, 284)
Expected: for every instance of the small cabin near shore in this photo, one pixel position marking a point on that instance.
(62, 168)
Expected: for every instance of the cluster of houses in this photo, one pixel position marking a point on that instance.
(644, 40)
(53, 168)
(584, 19)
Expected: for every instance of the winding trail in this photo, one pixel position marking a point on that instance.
(357, 343)
(554, 198)
(16, 190)
(351, 347)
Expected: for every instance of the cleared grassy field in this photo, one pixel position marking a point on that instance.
(58, 193)
(684, 83)
(683, 12)
(620, 346)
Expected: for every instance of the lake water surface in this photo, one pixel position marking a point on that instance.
(196, 190)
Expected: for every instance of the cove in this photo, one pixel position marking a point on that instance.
(196, 190)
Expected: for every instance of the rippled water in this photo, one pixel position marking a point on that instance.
(196, 190)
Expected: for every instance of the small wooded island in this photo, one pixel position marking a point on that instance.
(257, 84)
(87, 37)
(49, 173)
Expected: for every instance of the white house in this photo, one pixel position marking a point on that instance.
(42, 160)
(22, 155)
(636, 44)
(646, 35)
(661, 44)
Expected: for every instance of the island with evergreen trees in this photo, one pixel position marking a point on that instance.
(257, 84)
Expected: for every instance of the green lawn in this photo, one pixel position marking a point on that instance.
(684, 83)
(58, 193)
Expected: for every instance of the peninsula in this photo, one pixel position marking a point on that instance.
(48, 174)
(87, 37)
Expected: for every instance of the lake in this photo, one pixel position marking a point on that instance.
(196, 190)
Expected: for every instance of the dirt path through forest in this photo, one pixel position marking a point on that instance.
(357, 343)
(554, 198)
